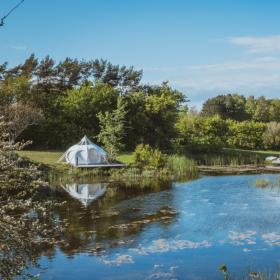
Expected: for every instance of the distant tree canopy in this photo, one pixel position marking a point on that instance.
(230, 106)
(239, 108)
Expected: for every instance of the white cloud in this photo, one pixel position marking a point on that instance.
(18, 47)
(230, 76)
(258, 44)
(254, 75)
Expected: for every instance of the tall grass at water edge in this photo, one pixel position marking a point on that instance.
(228, 157)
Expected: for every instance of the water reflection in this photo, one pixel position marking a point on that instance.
(169, 231)
(86, 193)
(114, 217)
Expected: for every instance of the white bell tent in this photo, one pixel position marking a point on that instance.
(87, 154)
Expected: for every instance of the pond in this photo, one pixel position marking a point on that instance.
(175, 231)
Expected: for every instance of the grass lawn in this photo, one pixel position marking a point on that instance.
(45, 157)
(51, 157)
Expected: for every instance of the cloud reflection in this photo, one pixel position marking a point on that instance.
(242, 238)
(272, 238)
(164, 245)
(119, 260)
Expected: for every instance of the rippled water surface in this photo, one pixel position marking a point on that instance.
(175, 231)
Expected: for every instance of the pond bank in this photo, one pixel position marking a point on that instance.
(238, 169)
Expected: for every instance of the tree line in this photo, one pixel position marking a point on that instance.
(55, 104)
(72, 98)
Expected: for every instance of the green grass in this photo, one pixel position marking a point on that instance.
(126, 158)
(44, 157)
(51, 157)
(228, 158)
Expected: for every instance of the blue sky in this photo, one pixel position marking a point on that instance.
(203, 47)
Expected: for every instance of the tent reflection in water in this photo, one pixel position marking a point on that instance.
(86, 193)
(88, 154)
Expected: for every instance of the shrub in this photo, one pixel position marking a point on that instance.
(147, 157)
(245, 135)
(200, 134)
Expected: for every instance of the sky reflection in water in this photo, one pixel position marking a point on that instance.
(183, 231)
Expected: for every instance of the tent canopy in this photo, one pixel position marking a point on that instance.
(85, 153)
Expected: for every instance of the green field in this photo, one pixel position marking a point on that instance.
(51, 157)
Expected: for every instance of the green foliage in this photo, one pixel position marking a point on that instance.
(245, 135)
(230, 106)
(261, 113)
(228, 157)
(27, 222)
(239, 108)
(147, 157)
(274, 110)
(200, 134)
(13, 89)
(271, 136)
(181, 166)
(81, 97)
(151, 114)
(112, 129)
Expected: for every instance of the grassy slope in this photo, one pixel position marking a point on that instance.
(51, 157)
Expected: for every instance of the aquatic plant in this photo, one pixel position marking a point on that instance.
(181, 166)
(262, 183)
(250, 275)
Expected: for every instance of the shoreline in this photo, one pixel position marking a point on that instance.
(238, 169)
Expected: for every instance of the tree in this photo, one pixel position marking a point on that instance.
(21, 193)
(112, 129)
(271, 136)
(250, 106)
(127, 79)
(230, 106)
(274, 110)
(82, 105)
(261, 113)
(18, 117)
(14, 89)
(162, 107)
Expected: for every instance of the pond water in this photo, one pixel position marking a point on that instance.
(174, 231)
